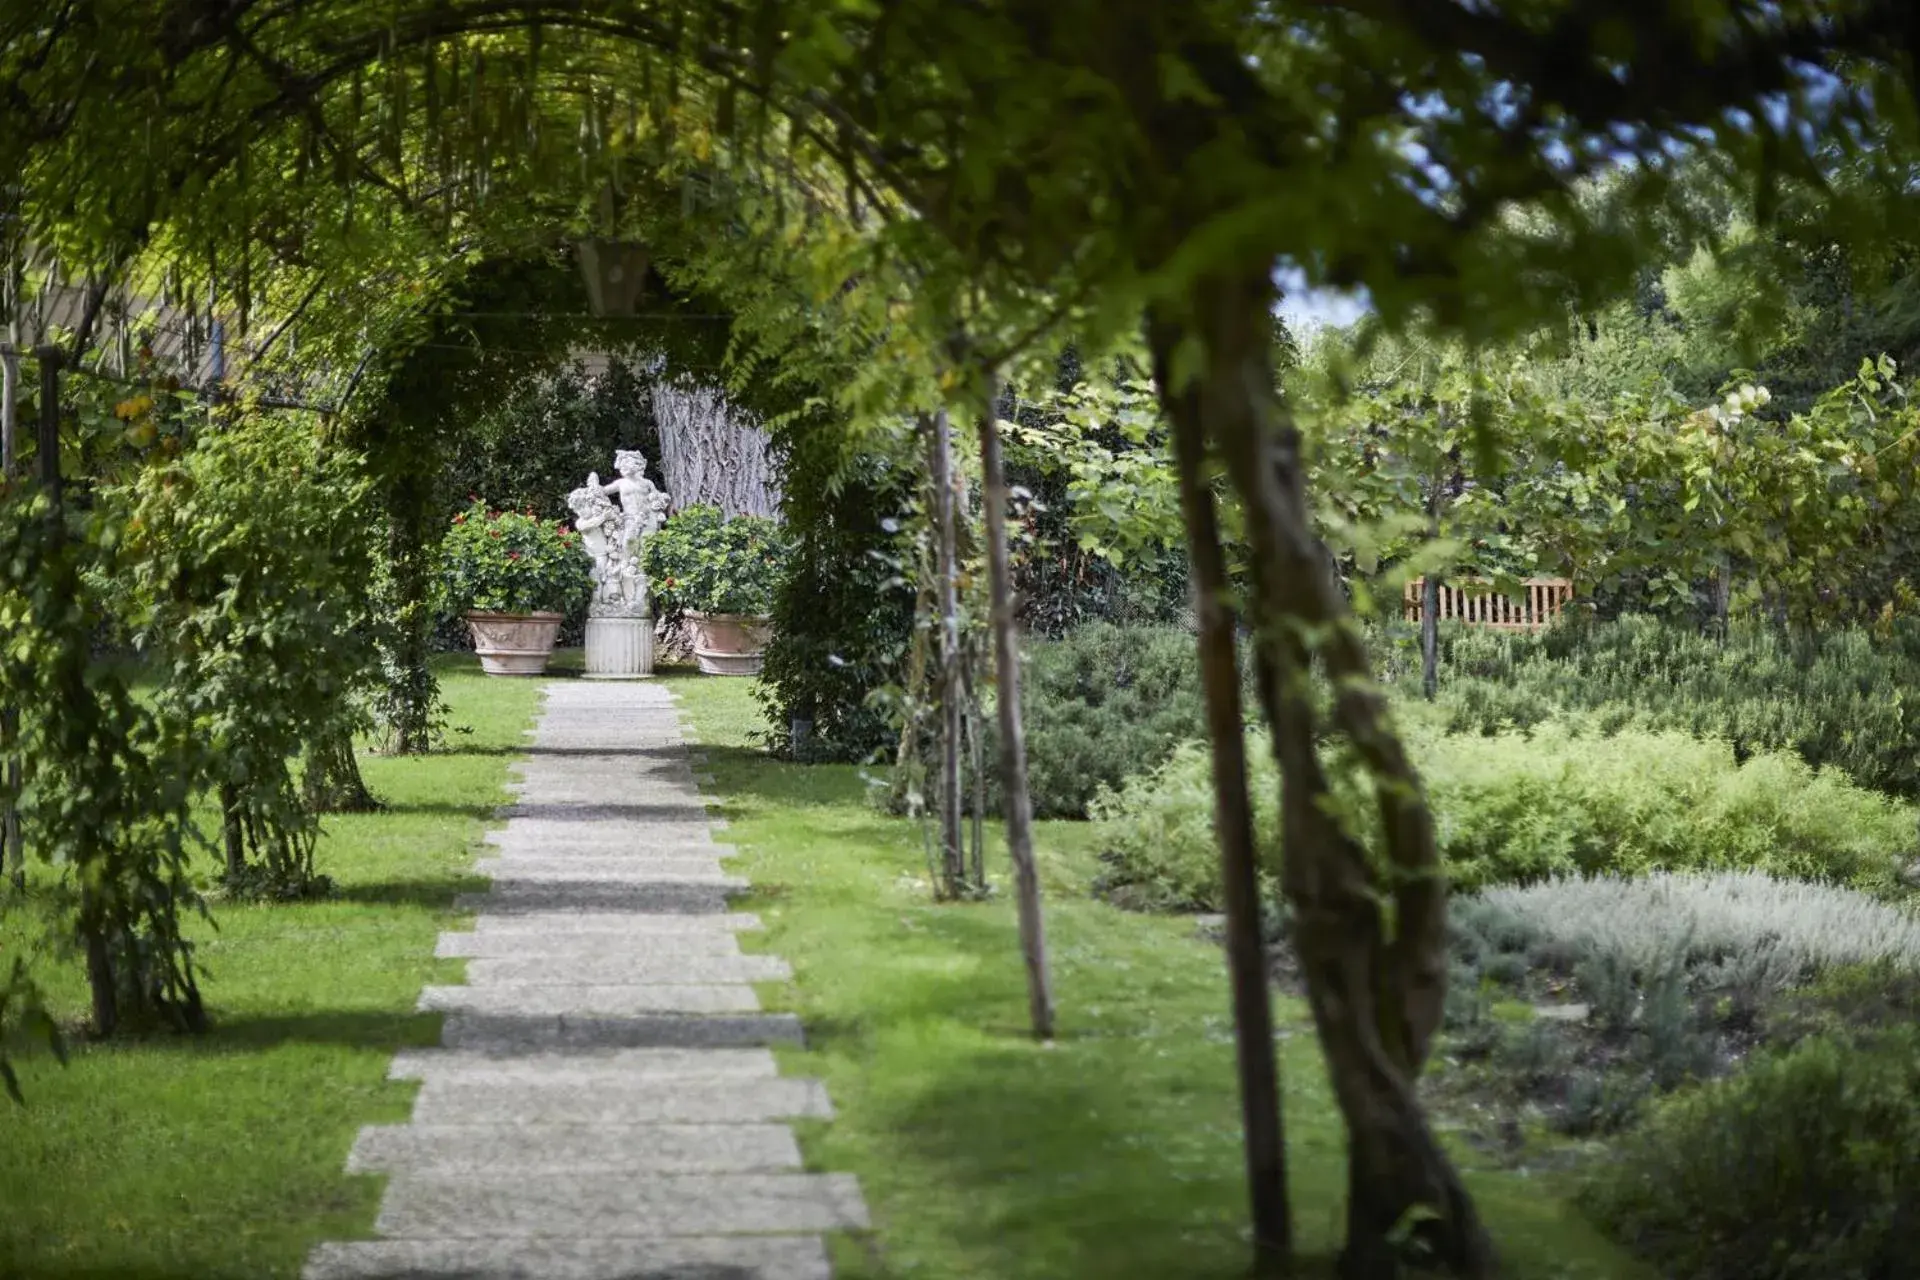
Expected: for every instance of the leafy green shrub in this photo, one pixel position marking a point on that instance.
(1834, 699)
(701, 560)
(1159, 840)
(511, 562)
(843, 613)
(1103, 703)
(239, 579)
(529, 447)
(1804, 1167)
(1518, 808)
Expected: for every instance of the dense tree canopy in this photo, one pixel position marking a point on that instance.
(902, 204)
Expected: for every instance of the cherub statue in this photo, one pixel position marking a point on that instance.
(641, 502)
(619, 587)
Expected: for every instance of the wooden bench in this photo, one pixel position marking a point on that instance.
(1472, 601)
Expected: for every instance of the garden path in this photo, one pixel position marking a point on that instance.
(604, 1104)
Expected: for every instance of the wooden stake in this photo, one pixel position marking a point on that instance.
(1014, 798)
(953, 863)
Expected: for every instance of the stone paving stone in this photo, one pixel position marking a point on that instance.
(631, 925)
(544, 943)
(603, 1104)
(514, 864)
(613, 967)
(607, 842)
(683, 1258)
(638, 870)
(587, 1067)
(715, 1102)
(602, 1147)
(544, 998)
(514, 1034)
(513, 897)
(511, 1204)
(507, 1033)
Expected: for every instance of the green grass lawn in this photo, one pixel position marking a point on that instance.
(1114, 1153)
(221, 1155)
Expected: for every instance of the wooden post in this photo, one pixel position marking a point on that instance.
(1018, 805)
(1430, 636)
(947, 600)
(12, 846)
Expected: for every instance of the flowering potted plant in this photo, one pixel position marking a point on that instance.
(719, 574)
(513, 577)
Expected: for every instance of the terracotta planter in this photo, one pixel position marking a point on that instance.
(514, 644)
(730, 644)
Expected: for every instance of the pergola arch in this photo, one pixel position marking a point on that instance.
(1043, 163)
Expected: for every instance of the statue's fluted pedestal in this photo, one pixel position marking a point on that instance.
(619, 648)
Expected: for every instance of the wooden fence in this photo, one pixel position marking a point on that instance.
(1472, 601)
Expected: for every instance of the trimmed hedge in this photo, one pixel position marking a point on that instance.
(1835, 699)
(1521, 807)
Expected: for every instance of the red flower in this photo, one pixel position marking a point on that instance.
(461, 518)
(513, 555)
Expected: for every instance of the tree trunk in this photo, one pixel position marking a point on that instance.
(101, 982)
(1016, 803)
(953, 863)
(333, 782)
(1376, 993)
(1722, 594)
(411, 697)
(233, 829)
(711, 455)
(1261, 1116)
(12, 847)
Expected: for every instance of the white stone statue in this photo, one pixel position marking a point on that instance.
(619, 584)
(642, 504)
(614, 539)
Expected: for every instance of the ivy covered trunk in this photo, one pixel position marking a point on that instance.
(12, 846)
(1376, 978)
(410, 698)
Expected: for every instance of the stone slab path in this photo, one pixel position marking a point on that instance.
(604, 1104)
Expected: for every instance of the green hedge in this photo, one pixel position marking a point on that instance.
(1834, 699)
(1519, 807)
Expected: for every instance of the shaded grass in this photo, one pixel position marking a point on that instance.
(221, 1155)
(1114, 1153)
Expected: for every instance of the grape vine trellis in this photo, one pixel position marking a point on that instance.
(965, 184)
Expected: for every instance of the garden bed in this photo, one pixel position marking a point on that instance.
(1115, 1153)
